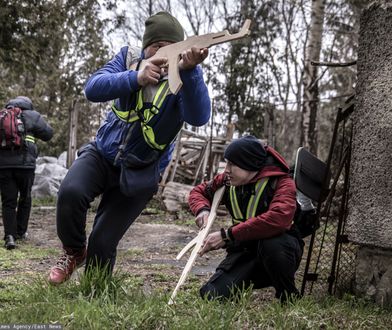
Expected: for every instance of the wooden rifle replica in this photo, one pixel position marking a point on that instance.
(173, 51)
(198, 240)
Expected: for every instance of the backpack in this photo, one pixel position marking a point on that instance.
(306, 220)
(12, 130)
(309, 175)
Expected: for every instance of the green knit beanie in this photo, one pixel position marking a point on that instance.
(162, 27)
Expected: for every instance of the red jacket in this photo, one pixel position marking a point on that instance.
(275, 220)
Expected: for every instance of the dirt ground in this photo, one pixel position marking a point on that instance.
(147, 250)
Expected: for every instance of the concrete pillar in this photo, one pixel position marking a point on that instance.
(369, 220)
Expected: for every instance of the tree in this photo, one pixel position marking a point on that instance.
(341, 29)
(49, 50)
(311, 91)
(245, 84)
(285, 63)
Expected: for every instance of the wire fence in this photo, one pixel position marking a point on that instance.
(328, 265)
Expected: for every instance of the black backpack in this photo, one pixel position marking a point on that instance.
(310, 174)
(306, 222)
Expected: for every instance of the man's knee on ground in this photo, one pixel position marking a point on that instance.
(288, 297)
(209, 292)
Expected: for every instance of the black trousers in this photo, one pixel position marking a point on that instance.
(16, 183)
(272, 262)
(90, 176)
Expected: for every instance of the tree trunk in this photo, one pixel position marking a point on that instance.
(73, 128)
(311, 92)
(269, 126)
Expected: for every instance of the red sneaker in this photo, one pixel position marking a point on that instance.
(66, 265)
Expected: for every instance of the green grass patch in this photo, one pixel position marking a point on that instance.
(44, 201)
(12, 291)
(152, 211)
(131, 252)
(163, 277)
(14, 258)
(118, 302)
(186, 221)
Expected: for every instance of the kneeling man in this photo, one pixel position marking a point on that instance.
(263, 246)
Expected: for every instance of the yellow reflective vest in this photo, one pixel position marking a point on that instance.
(146, 114)
(252, 203)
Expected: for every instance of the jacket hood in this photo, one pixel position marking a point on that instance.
(22, 102)
(276, 165)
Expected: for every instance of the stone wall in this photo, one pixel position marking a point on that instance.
(370, 203)
(369, 221)
(373, 276)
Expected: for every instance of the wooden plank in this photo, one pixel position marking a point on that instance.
(177, 156)
(190, 156)
(205, 161)
(199, 165)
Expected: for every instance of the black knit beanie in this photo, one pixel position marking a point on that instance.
(247, 153)
(162, 27)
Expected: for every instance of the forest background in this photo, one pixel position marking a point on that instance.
(264, 84)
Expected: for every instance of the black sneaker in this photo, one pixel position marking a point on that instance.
(9, 242)
(23, 237)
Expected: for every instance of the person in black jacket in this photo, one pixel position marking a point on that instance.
(17, 172)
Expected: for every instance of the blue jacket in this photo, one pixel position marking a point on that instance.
(116, 82)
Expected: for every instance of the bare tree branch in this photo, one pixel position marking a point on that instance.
(335, 64)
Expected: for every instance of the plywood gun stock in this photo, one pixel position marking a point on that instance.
(172, 52)
(199, 242)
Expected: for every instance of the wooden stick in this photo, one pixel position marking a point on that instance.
(187, 247)
(200, 240)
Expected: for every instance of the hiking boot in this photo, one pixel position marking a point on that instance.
(66, 265)
(9, 242)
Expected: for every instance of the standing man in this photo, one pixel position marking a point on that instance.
(17, 168)
(132, 148)
(263, 247)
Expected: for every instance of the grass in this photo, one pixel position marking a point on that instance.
(44, 201)
(14, 259)
(137, 301)
(97, 301)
